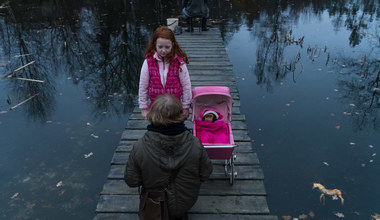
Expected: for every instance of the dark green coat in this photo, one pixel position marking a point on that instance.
(155, 156)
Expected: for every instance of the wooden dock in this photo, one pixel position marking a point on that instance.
(218, 200)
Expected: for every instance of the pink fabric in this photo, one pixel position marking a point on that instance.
(172, 86)
(212, 132)
(183, 76)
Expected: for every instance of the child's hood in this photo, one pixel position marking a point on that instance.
(220, 116)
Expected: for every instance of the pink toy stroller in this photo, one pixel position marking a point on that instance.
(217, 140)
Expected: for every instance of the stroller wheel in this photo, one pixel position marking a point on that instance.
(232, 171)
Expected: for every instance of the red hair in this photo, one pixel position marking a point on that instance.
(166, 33)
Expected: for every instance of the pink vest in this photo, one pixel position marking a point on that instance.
(173, 84)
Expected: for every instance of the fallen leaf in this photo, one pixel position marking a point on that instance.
(88, 123)
(14, 196)
(302, 216)
(88, 155)
(286, 217)
(339, 214)
(337, 127)
(376, 216)
(287, 104)
(30, 206)
(370, 161)
(374, 154)
(3, 112)
(325, 163)
(94, 136)
(363, 164)
(49, 121)
(352, 143)
(352, 105)
(59, 184)
(311, 214)
(262, 145)
(370, 146)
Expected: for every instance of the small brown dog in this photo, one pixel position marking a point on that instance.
(330, 192)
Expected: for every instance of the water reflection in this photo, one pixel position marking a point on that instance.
(98, 46)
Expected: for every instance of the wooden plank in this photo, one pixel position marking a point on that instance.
(204, 204)
(142, 124)
(124, 216)
(243, 147)
(210, 187)
(116, 216)
(118, 203)
(231, 217)
(244, 172)
(241, 158)
(239, 135)
(137, 116)
(235, 110)
(231, 204)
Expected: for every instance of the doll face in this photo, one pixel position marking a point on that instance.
(163, 46)
(209, 117)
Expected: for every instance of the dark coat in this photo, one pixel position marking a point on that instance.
(195, 7)
(155, 156)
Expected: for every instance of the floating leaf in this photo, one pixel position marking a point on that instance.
(286, 217)
(14, 196)
(337, 127)
(370, 146)
(339, 214)
(374, 154)
(325, 163)
(94, 136)
(59, 184)
(88, 155)
(302, 216)
(376, 216)
(311, 214)
(88, 123)
(3, 112)
(352, 143)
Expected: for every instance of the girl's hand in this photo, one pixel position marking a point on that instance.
(144, 112)
(186, 112)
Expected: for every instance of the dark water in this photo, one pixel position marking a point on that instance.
(307, 72)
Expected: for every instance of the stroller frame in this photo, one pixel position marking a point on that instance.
(219, 98)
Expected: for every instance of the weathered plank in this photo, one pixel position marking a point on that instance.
(124, 216)
(210, 187)
(204, 204)
(244, 172)
(241, 158)
(239, 135)
(142, 124)
(137, 116)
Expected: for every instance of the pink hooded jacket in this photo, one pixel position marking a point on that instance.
(212, 132)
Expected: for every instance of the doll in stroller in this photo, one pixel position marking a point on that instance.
(211, 117)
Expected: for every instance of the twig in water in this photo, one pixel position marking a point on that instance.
(33, 80)
(13, 107)
(20, 68)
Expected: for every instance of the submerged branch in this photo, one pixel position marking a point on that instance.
(13, 107)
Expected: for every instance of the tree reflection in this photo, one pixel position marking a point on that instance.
(361, 91)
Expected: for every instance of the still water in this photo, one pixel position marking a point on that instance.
(307, 72)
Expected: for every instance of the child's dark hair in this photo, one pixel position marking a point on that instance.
(166, 33)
